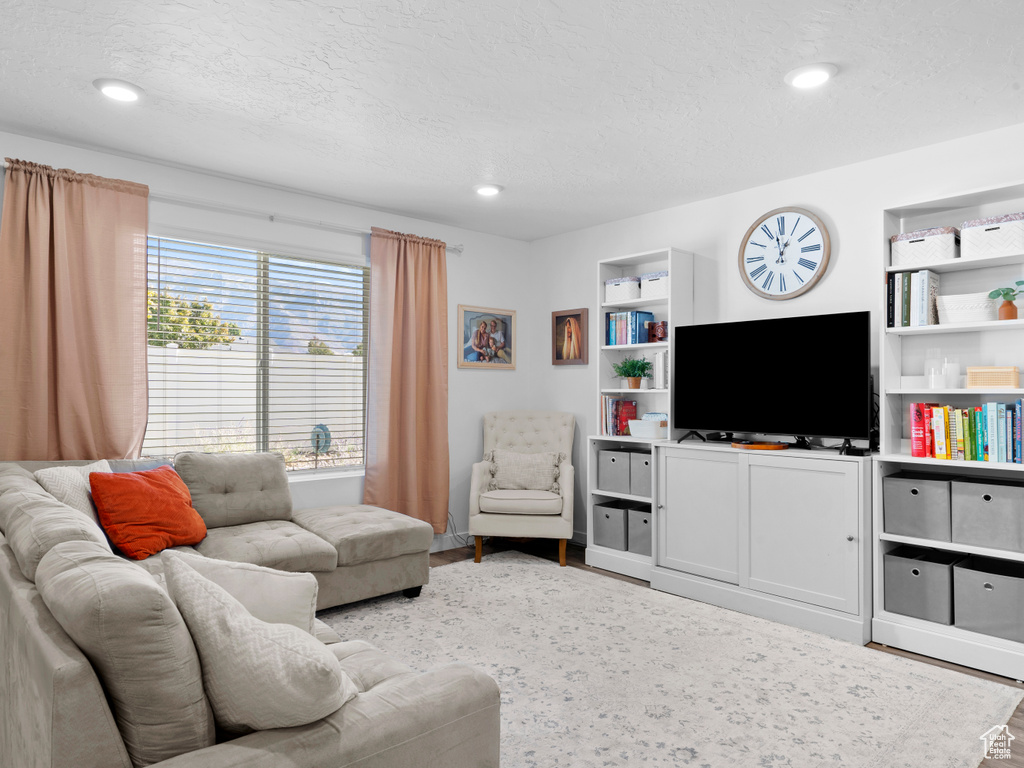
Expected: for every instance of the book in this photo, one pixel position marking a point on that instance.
(940, 427)
(905, 302)
(890, 299)
(627, 411)
(979, 435)
(991, 442)
(929, 294)
(917, 447)
(952, 437)
(961, 442)
(1018, 442)
(929, 431)
(1008, 427)
(915, 299)
(999, 428)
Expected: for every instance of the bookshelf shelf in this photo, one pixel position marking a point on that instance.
(930, 330)
(961, 265)
(903, 353)
(646, 345)
(633, 303)
(627, 391)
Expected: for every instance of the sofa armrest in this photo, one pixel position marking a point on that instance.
(566, 485)
(445, 718)
(477, 484)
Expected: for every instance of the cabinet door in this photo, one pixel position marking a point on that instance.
(698, 518)
(804, 530)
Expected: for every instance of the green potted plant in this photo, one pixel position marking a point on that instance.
(1008, 310)
(633, 370)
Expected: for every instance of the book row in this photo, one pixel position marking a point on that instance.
(616, 415)
(633, 327)
(911, 299)
(989, 432)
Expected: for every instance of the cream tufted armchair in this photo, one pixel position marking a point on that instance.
(531, 513)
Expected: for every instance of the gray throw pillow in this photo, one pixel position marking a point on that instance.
(511, 471)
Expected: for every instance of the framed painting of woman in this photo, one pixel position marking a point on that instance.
(569, 337)
(488, 338)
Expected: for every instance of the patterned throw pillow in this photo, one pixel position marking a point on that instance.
(70, 485)
(511, 471)
(256, 675)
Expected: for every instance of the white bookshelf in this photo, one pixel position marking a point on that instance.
(902, 355)
(676, 308)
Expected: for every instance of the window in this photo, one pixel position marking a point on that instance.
(254, 351)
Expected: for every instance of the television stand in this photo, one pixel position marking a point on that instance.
(692, 433)
(802, 442)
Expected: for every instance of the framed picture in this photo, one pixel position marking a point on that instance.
(488, 338)
(569, 337)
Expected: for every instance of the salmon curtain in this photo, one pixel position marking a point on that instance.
(73, 314)
(407, 398)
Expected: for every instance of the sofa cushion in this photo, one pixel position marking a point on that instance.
(273, 544)
(16, 478)
(521, 503)
(70, 485)
(322, 631)
(256, 675)
(37, 522)
(269, 594)
(366, 665)
(137, 465)
(146, 512)
(133, 634)
(236, 488)
(363, 533)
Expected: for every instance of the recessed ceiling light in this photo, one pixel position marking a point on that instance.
(118, 90)
(811, 76)
(487, 190)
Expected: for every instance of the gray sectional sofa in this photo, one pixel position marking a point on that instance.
(57, 714)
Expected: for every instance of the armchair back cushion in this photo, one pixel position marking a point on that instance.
(529, 431)
(236, 488)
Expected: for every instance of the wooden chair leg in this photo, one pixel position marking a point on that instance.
(479, 549)
(561, 552)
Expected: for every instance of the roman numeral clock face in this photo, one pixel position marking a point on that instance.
(784, 253)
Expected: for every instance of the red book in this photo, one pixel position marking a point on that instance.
(929, 432)
(627, 411)
(917, 429)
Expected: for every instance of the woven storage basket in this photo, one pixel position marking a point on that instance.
(621, 289)
(654, 285)
(992, 376)
(966, 308)
(925, 246)
(991, 237)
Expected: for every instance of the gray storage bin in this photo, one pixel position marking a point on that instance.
(988, 514)
(639, 529)
(613, 471)
(916, 505)
(640, 463)
(610, 524)
(988, 597)
(919, 583)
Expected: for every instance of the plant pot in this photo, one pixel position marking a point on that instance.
(1007, 311)
(633, 382)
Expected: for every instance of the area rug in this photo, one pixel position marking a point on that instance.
(598, 672)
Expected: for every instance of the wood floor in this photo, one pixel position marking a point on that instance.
(575, 558)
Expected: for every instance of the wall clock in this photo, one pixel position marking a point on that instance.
(784, 253)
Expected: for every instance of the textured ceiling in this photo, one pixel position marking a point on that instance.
(586, 111)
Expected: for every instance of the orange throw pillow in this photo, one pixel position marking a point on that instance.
(146, 512)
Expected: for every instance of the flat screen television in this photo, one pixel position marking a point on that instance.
(804, 376)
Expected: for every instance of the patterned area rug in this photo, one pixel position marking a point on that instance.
(598, 672)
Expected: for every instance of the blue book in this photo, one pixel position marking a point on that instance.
(642, 318)
(1018, 444)
(1000, 428)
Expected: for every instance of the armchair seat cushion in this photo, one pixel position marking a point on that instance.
(521, 502)
(277, 544)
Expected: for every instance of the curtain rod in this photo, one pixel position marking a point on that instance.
(312, 223)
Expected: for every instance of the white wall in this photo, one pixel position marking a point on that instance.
(491, 271)
(850, 201)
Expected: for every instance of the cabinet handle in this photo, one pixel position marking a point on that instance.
(613, 459)
(849, 538)
(915, 571)
(914, 491)
(987, 497)
(661, 506)
(988, 586)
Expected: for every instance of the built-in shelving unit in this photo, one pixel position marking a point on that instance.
(902, 355)
(676, 308)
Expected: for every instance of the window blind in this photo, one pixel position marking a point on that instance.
(255, 351)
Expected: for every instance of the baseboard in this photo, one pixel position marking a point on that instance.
(445, 541)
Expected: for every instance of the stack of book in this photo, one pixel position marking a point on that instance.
(911, 299)
(989, 432)
(627, 327)
(616, 415)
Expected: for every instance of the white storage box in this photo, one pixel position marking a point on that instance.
(994, 236)
(656, 430)
(925, 246)
(621, 289)
(654, 285)
(966, 308)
